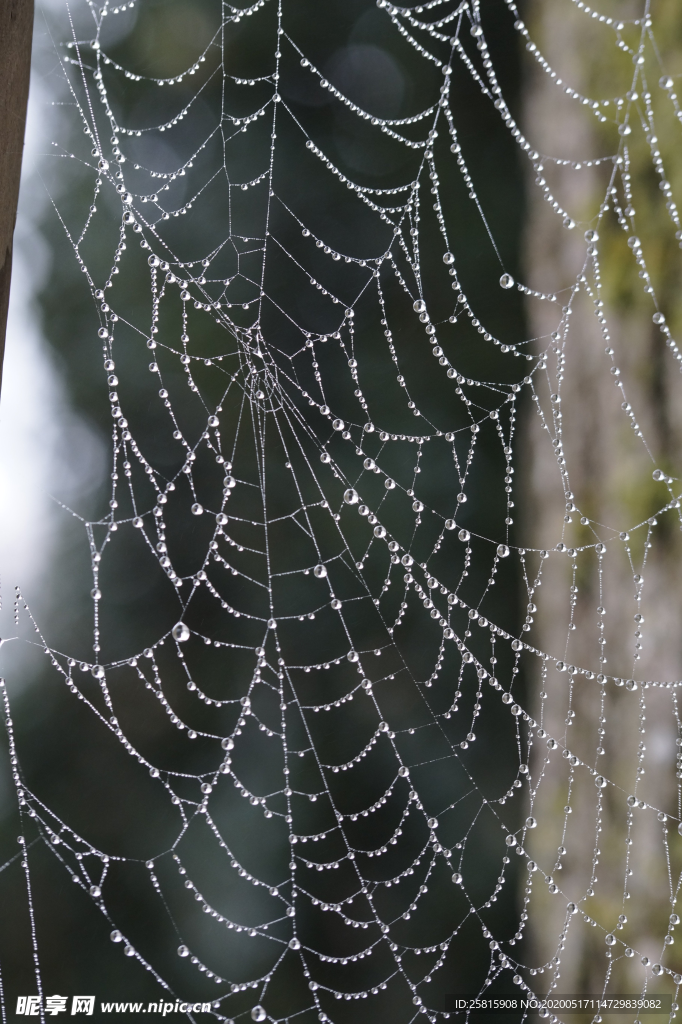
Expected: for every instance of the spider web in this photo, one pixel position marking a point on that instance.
(328, 657)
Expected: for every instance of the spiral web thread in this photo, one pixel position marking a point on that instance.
(342, 476)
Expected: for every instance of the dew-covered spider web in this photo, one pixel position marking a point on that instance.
(317, 457)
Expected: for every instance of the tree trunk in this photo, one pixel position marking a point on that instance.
(610, 482)
(16, 29)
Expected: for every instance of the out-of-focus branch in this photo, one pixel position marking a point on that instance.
(16, 29)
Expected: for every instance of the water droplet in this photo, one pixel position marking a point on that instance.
(181, 632)
(506, 281)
